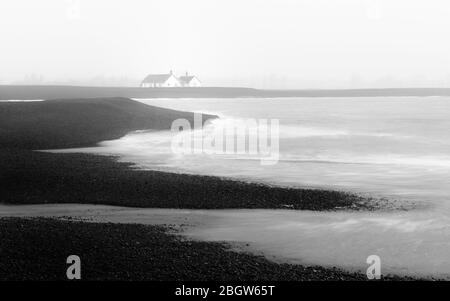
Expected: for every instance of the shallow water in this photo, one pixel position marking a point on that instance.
(387, 147)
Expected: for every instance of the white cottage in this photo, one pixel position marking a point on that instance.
(170, 80)
(160, 80)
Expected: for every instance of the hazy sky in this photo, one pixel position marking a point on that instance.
(263, 43)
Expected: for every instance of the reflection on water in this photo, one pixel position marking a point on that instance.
(392, 147)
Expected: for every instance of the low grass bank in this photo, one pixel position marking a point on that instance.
(53, 92)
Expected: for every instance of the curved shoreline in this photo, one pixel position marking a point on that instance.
(31, 126)
(35, 177)
(30, 177)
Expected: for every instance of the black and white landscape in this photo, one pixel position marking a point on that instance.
(224, 140)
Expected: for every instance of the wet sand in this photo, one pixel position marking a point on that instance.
(109, 214)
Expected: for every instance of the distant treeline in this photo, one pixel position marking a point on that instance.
(58, 92)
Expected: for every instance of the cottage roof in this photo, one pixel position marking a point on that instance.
(157, 78)
(186, 79)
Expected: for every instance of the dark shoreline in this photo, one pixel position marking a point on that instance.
(67, 123)
(29, 177)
